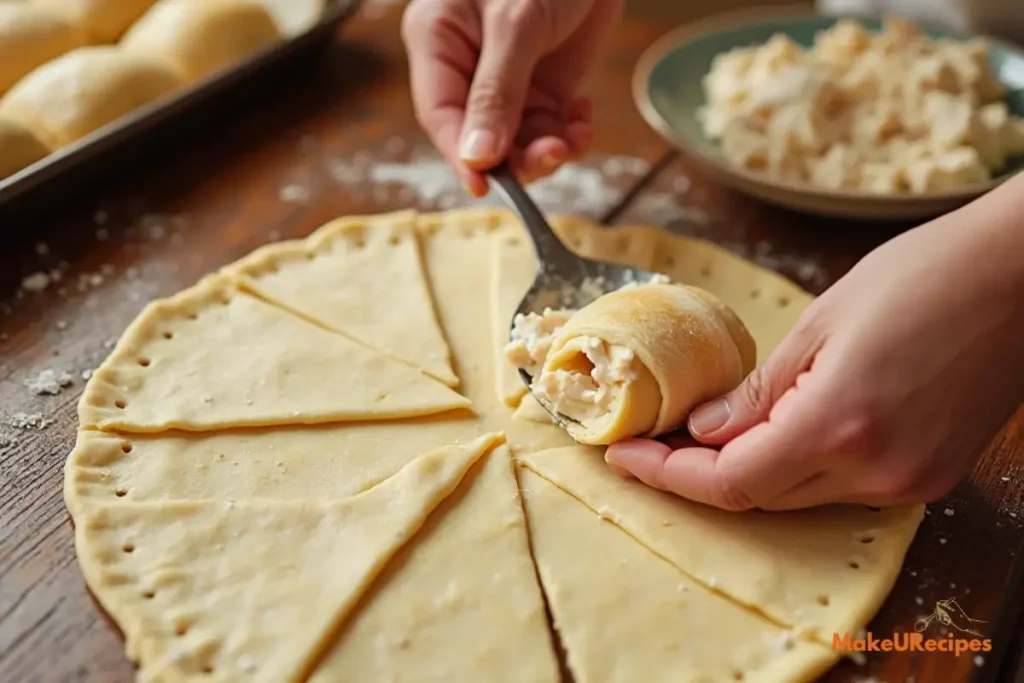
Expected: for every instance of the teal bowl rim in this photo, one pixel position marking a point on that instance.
(653, 55)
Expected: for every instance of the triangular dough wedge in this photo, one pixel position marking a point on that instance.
(456, 250)
(302, 462)
(625, 615)
(361, 277)
(512, 269)
(213, 357)
(253, 590)
(819, 571)
(461, 605)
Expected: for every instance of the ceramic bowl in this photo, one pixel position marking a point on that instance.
(668, 91)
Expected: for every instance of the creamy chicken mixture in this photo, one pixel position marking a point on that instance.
(531, 338)
(586, 396)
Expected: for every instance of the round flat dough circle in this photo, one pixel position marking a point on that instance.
(199, 38)
(31, 36)
(194, 368)
(84, 90)
(18, 148)
(102, 20)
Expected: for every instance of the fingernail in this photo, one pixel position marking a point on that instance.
(549, 161)
(709, 417)
(609, 458)
(479, 145)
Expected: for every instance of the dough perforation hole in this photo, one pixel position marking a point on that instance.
(145, 362)
(853, 564)
(623, 243)
(148, 594)
(867, 539)
(120, 404)
(270, 267)
(180, 628)
(755, 294)
(128, 547)
(168, 334)
(668, 261)
(394, 241)
(224, 299)
(823, 600)
(513, 241)
(207, 669)
(358, 241)
(738, 676)
(126, 446)
(120, 492)
(705, 271)
(382, 396)
(874, 509)
(191, 315)
(783, 301)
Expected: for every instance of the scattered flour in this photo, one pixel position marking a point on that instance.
(49, 382)
(29, 421)
(293, 194)
(426, 179)
(36, 282)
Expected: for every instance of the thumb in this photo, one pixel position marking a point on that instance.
(721, 420)
(511, 47)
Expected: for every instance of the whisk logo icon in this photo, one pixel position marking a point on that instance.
(949, 613)
(957, 634)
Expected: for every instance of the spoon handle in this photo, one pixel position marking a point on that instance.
(549, 249)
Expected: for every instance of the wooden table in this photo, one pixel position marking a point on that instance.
(214, 192)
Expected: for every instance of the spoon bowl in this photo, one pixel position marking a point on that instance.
(563, 279)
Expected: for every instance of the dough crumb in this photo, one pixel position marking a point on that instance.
(942, 541)
(42, 248)
(948, 512)
(246, 664)
(36, 282)
(61, 325)
(979, 661)
(48, 382)
(86, 374)
(100, 217)
(1005, 478)
(102, 234)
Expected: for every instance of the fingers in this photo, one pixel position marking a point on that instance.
(719, 421)
(439, 39)
(550, 137)
(512, 45)
(760, 468)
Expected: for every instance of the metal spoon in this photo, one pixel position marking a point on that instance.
(563, 279)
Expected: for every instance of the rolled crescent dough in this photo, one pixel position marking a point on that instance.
(199, 38)
(18, 148)
(31, 36)
(653, 352)
(85, 89)
(103, 20)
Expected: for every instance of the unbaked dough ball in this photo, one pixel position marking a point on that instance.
(200, 37)
(18, 147)
(83, 90)
(31, 36)
(103, 20)
(294, 16)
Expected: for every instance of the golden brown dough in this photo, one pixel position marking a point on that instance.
(636, 361)
(31, 36)
(102, 20)
(199, 38)
(83, 90)
(18, 148)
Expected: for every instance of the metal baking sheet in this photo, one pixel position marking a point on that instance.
(65, 167)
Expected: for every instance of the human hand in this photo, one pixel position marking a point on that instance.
(497, 79)
(885, 391)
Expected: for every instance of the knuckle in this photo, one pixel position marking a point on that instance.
(756, 390)
(488, 95)
(730, 495)
(858, 433)
(517, 14)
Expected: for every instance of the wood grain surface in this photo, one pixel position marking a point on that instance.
(336, 136)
